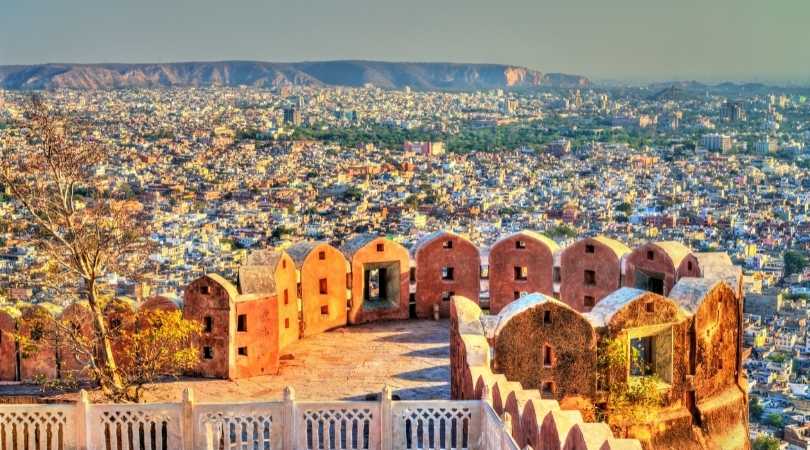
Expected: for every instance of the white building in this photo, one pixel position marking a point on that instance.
(766, 145)
(715, 141)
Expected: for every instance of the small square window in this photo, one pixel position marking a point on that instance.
(589, 301)
(287, 323)
(556, 274)
(241, 323)
(322, 255)
(521, 273)
(547, 317)
(242, 351)
(380, 247)
(286, 296)
(322, 287)
(325, 310)
(208, 353)
(689, 266)
(447, 273)
(208, 324)
(649, 307)
(205, 290)
(413, 274)
(590, 249)
(283, 263)
(650, 255)
(590, 278)
(447, 244)
(517, 295)
(520, 245)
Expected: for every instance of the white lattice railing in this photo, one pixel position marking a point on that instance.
(343, 425)
(285, 425)
(436, 424)
(41, 427)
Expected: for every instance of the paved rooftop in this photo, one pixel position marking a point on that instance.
(346, 363)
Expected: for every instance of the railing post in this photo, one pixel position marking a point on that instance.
(506, 431)
(290, 435)
(386, 420)
(81, 421)
(486, 395)
(188, 419)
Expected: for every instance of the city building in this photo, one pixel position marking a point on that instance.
(716, 142)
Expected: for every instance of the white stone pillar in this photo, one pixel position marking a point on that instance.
(386, 420)
(82, 430)
(290, 435)
(188, 430)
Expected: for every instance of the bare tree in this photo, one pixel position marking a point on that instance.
(75, 217)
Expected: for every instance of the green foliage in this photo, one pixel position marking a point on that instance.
(624, 207)
(795, 262)
(281, 232)
(775, 420)
(381, 136)
(353, 194)
(158, 135)
(562, 231)
(755, 409)
(765, 443)
(631, 400)
(777, 357)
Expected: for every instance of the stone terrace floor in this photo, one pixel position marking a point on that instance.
(346, 363)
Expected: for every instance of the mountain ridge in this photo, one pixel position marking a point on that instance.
(352, 73)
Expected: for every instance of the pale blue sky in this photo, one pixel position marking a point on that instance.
(614, 39)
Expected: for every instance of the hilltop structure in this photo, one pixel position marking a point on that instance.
(675, 314)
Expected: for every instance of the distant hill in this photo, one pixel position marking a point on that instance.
(673, 93)
(390, 75)
(686, 88)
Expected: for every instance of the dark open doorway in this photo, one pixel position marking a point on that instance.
(381, 285)
(650, 281)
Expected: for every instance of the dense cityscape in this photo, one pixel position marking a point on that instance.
(223, 171)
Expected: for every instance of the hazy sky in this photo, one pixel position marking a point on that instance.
(604, 39)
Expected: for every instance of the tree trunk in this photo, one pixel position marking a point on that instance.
(111, 381)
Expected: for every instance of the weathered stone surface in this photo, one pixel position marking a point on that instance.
(345, 363)
(525, 249)
(435, 255)
(600, 255)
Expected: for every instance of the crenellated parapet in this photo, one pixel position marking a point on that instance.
(539, 354)
(535, 421)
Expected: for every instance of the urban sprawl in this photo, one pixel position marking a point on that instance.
(221, 172)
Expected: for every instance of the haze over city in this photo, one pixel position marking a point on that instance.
(622, 40)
